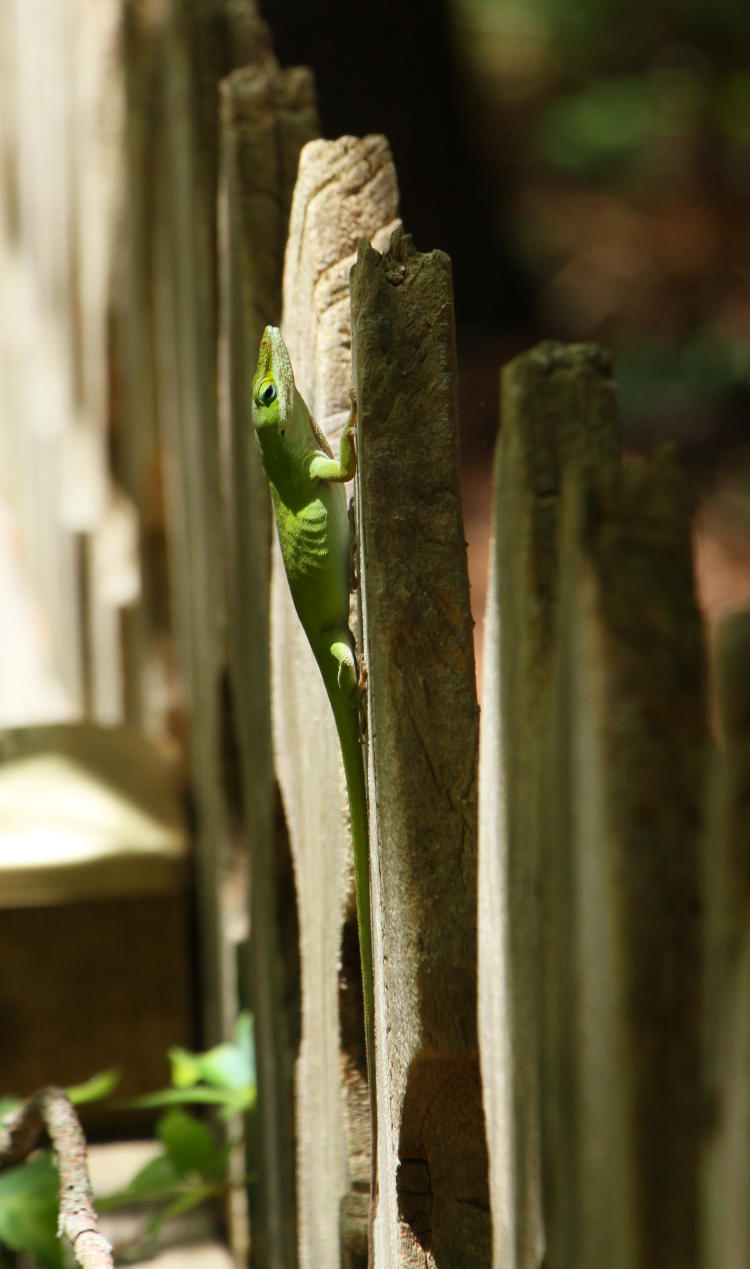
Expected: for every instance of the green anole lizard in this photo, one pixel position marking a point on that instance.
(312, 521)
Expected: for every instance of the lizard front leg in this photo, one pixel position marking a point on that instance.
(323, 467)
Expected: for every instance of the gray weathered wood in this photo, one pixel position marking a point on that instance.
(345, 189)
(621, 881)
(203, 40)
(266, 117)
(431, 1158)
(557, 411)
(147, 672)
(61, 106)
(727, 865)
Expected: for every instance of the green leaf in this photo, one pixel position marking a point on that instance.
(186, 1069)
(190, 1144)
(236, 1103)
(99, 1086)
(28, 1211)
(227, 1066)
(224, 1068)
(224, 1076)
(183, 1202)
(157, 1179)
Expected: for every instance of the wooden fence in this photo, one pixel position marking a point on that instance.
(560, 895)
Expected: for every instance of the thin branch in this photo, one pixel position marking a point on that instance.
(50, 1108)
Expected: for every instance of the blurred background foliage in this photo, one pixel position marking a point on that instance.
(618, 137)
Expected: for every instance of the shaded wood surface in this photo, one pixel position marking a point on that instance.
(422, 728)
(727, 874)
(558, 412)
(622, 1065)
(201, 43)
(266, 117)
(99, 1008)
(199, 48)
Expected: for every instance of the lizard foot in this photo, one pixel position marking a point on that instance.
(362, 672)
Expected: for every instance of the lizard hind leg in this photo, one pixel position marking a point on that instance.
(347, 676)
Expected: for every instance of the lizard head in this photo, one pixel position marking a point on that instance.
(273, 383)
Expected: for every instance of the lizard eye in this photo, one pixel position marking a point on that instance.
(268, 394)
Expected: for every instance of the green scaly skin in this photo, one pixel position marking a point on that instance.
(312, 521)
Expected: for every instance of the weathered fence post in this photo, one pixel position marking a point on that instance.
(621, 880)
(345, 189)
(558, 411)
(202, 41)
(148, 625)
(431, 1157)
(727, 865)
(267, 115)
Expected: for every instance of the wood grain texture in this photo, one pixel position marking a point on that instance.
(345, 189)
(202, 41)
(557, 411)
(266, 116)
(622, 880)
(423, 717)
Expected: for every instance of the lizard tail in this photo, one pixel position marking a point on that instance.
(347, 725)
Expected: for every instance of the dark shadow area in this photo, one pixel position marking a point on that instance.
(442, 1177)
(396, 72)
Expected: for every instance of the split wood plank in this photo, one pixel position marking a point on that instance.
(267, 115)
(422, 729)
(345, 189)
